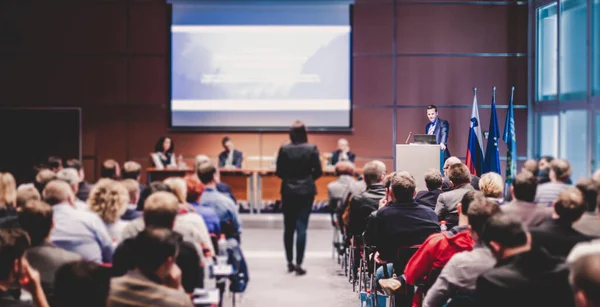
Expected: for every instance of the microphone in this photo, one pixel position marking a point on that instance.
(408, 138)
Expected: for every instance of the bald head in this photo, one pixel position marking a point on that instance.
(58, 191)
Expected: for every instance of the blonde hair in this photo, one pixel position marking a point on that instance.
(132, 187)
(491, 184)
(108, 199)
(26, 193)
(178, 187)
(8, 189)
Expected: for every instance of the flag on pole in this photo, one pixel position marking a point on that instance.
(510, 140)
(474, 158)
(492, 155)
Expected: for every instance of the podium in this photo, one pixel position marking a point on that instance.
(417, 159)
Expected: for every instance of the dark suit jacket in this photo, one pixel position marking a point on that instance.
(428, 198)
(529, 279)
(556, 237)
(441, 131)
(237, 158)
(298, 166)
(446, 186)
(335, 156)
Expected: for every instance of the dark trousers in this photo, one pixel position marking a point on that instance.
(296, 211)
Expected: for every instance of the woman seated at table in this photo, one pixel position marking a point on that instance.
(163, 155)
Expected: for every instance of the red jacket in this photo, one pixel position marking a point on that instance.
(435, 252)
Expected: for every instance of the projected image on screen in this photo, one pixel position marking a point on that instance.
(260, 76)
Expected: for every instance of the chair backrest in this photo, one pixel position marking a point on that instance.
(403, 255)
(461, 301)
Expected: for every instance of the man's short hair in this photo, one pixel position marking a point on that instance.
(26, 193)
(74, 163)
(207, 172)
(585, 277)
(109, 199)
(132, 187)
(561, 168)
(373, 171)
(36, 219)
(505, 229)
(55, 162)
(109, 169)
(491, 184)
(82, 283)
(569, 205)
(225, 140)
(13, 243)
(532, 166)
(403, 187)
(433, 179)
(131, 170)
(431, 106)
(387, 180)
(459, 174)
(344, 168)
(68, 175)
(589, 188)
(525, 186)
(160, 210)
(479, 211)
(56, 192)
(153, 187)
(153, 247)
(42, 178)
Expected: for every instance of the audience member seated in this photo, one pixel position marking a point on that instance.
(588, 223)
(133, 189)
(71, 177)
(161, 212)
(83, 191)
(459, 275)
(531, 166)
(560, 173)
(424, 266)
(523, 190)
(110, 169)
(78, 231)
(194, 191)
(585, 281)
(26, 193)
(522, 276)
(363, 204)
(36, 219)
(42, 178)
(402, 223)
(343, 153)
(544, 169)
(109, 200)
(8, 201)
(387, 198)
(446, 207)
(447, 185)
(492, 186)
(156, 279)
(339, 190)
(223, 205)
(163, 155)
(230, 157)
(82, 283)
(187, 230)
(187, 212)
(55, 163)
(221, 186)
(133, 170)
(15, 270)
(557, 235)
(433, 182)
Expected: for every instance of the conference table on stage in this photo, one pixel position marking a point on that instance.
(251, 185)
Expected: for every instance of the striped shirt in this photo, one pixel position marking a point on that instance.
(548, 192)
(135, 289)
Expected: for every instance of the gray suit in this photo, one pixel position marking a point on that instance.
(47, 258)
(532, 214)
(447, 203)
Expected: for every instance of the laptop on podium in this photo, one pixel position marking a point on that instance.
(425, 139)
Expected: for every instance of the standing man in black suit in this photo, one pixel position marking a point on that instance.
(438, 127)
(230, 157)
(298, 166)
(343, 153)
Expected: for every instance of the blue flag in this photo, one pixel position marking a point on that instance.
(511, 141)
(492, 155)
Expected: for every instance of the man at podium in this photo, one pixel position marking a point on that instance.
(438, 127)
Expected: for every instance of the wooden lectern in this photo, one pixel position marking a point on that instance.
(417, 159)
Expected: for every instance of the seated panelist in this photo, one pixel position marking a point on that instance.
(343, 153)
(163, 155)
(230, 157)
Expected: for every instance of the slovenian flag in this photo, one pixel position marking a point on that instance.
(474, 159)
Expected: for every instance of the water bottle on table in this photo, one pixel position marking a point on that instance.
(443, 226)
(222, 255)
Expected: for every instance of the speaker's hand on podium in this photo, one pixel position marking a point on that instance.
(443, 147)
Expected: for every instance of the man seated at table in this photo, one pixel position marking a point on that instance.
(343, 153)
(230, 157)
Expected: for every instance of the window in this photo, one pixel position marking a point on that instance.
(549, 135)
(573, 50)
(596, 47)
(573, 140)
(597, 141)
(547, 28)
